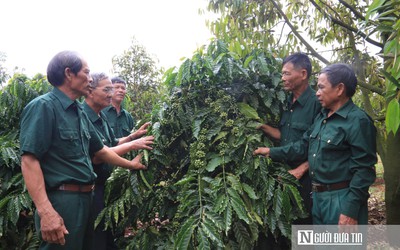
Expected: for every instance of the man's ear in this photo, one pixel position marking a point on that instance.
(341, 89)
(68, 73)
(304, 74)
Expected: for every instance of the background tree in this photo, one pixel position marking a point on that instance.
(3, 71)
(143, 78)
(384, 18)
(329, 31)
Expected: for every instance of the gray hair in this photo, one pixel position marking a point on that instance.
(58, 64)
(299, 61)
(341, 73)
(97, 77)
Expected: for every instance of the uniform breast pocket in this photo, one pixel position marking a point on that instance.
(333, 146)
(70, 145)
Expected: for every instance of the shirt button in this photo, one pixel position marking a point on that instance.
(291, 110)
(313, 155)
(288, 125)
(312, 172)
(329, 141)
(324, 121)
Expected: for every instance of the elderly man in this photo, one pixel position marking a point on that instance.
(341, 151)
(99, 97)
(57, 144)
(301, 108)
(120, 120)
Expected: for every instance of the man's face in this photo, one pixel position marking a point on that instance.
(80, 82)
(292, 77)
(326, 94)
(102, 94)
(119, 92)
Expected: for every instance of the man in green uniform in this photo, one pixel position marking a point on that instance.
(99, 97)
(57, 142)
(301, 108)
(341, 150)
(120, 120)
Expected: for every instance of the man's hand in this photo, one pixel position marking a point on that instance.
(136, 163)
(260, 127)
(346, 220)
(347, 224)
(143, 143)
(140, 132)
(51, 223)
(262, 151)
(274, 133)
(300, 170)
(52, 227)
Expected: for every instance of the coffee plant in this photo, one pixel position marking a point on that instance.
(203, 188)
(16, 207)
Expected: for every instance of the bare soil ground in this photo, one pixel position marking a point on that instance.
(376, 203)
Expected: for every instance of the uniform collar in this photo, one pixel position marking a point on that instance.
(93, 116)
(303, 97)
(343, 111)
(65, 101)
(112, 108)
(107, 109)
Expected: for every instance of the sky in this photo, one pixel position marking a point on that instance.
(32, 32)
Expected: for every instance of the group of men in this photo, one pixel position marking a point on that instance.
(331, 147)
(327, 142)
(68, 148)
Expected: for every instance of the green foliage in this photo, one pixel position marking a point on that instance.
(364, 34)
(393, 116)
(16, 207)
(202, 175)
(384, 17)
(328, 31)
(3, 71)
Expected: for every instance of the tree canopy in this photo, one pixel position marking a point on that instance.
(332, 31)
(143, 77)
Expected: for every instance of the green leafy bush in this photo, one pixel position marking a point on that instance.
(16, 206)
(203, 188)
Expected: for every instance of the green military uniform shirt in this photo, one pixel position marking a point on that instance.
(121, 123)
(341, 147)
(298, 118)
(57, 131)
(103, 170)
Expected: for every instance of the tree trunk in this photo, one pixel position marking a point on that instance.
(392, 183)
